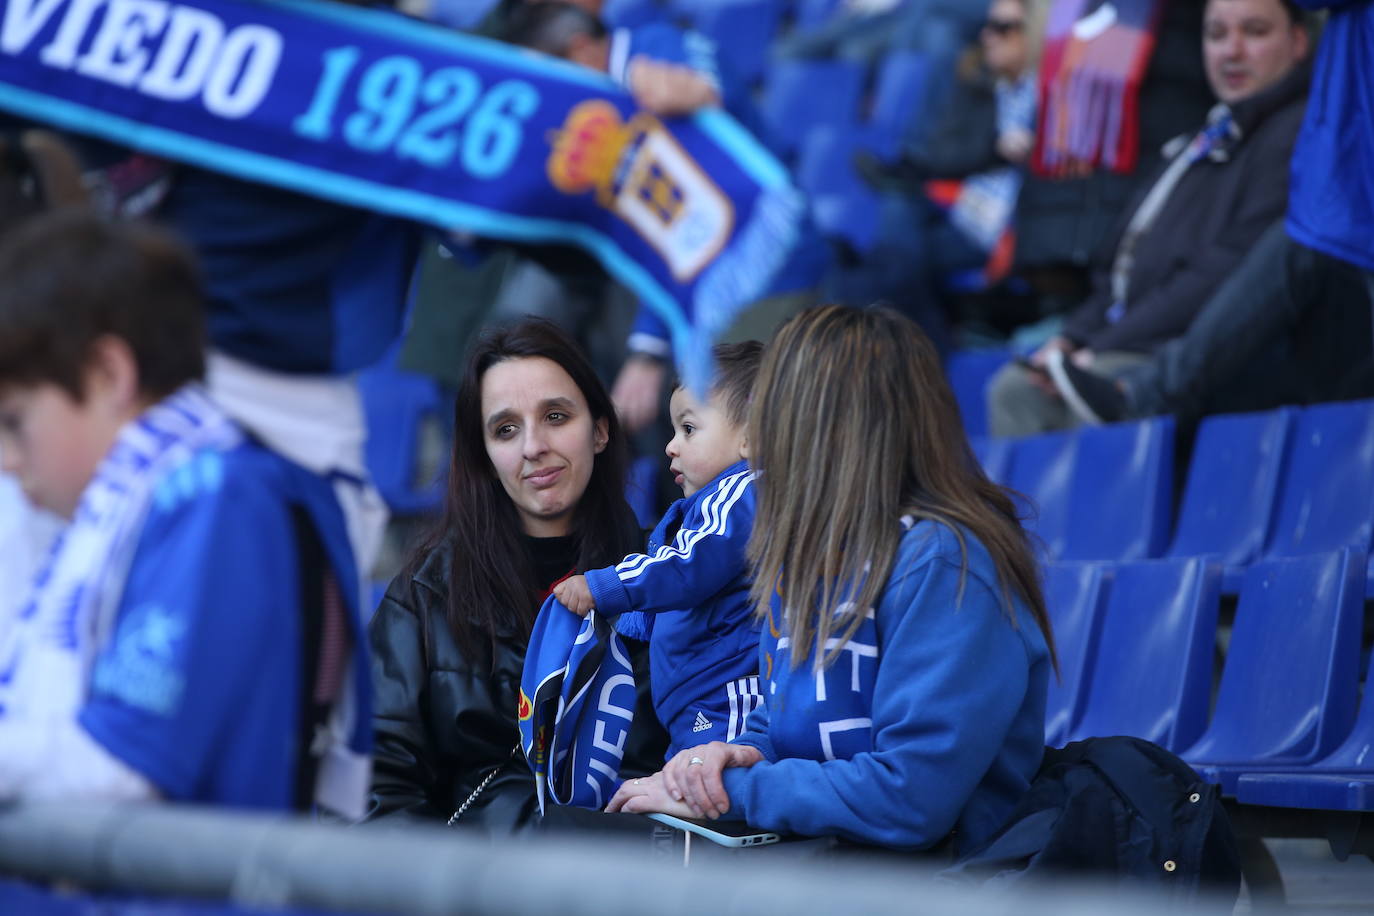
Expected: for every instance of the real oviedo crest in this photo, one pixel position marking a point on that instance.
(645, 177)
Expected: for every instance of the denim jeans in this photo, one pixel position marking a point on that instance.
(1290, 326)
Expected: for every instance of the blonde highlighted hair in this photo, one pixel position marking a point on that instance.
(852, 426)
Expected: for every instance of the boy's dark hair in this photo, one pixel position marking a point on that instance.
(550, 26)
(737, 365)
(68, 278)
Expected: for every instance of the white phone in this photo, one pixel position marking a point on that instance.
(723, 833)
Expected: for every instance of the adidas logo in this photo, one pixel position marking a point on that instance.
(702, 723)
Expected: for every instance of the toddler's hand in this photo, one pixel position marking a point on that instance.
(574, 594)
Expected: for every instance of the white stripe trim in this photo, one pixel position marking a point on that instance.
(715, 513)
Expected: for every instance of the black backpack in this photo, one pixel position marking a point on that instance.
(1122, 810)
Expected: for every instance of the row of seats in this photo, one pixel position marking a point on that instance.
(1136, 644)
(1281, 483)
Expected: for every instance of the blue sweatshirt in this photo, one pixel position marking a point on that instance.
(931, 719)
(1331, 186)
(703, 638)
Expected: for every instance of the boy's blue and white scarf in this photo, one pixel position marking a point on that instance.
(373, 110)
(577, 701)
(46, 656)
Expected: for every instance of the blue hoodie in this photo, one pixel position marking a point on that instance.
(703, 638)
(931, 719)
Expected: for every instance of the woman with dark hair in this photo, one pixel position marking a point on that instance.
(907, 648)
(535, 493)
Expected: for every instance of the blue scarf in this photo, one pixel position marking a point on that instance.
(577, 701)
(373, 110)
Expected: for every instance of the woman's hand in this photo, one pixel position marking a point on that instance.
(668, 89)
(646, 796)
(693, 776)
(575, 595)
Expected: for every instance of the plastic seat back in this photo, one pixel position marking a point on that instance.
(899, 99)
(742, 30)
(969, 372)
(1040, 472)
(1151, 675)
(993, 454)
(1233, 485)
(799, 95)
(1121, 497)
(1074, 596)
(1288, 690)
(1326, 501)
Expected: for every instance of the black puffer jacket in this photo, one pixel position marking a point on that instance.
(443, 723)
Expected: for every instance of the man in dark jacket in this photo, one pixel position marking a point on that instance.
(1213, 198)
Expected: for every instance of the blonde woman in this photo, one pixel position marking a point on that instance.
(907, 649)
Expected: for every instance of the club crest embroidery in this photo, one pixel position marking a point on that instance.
(644, 176)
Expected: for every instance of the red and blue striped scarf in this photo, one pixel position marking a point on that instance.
(1094, 60)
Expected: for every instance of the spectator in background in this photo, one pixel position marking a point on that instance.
(159, 654)
(1200, 215)
(974, 155)
(1293, 324)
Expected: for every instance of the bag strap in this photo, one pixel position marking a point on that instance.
(324, 651)
(462, 809)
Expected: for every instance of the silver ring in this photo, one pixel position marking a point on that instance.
(695, 761)
(638, 781)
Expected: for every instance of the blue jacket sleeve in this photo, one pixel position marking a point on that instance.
(756, 733)
(952, 676)
(649, 334)
(699, 562)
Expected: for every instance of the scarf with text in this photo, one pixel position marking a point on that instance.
(577, 702)
(370, 109)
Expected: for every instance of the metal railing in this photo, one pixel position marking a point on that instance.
(265, 861)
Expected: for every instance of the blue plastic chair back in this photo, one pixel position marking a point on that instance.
(969, 372)
(1326, 501)
(1122, 492)
(743, 31)
(993, 454)
(815, 12)
(1074, 596)
(1232, 489)
(1040, 472)
(899, 100)
(799, 95)
(1151, 676)
(842, 206)
(1288, 690)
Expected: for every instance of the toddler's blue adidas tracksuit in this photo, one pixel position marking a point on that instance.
(689, 596)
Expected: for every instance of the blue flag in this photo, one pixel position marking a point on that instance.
(374, 110)
(577, 701)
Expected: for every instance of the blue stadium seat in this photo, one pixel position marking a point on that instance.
(1121, 496)
(842, 206)
(1074, 596)
(743, 31)
(399, 407)
(1151, 674)
(898, 100)
(1041, 471)
(969, 372)
(1326, 501)
(1288, 690)
(1232, 489)
(1343, 781)
(811, 13)
(993, 454)
(799, 95)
